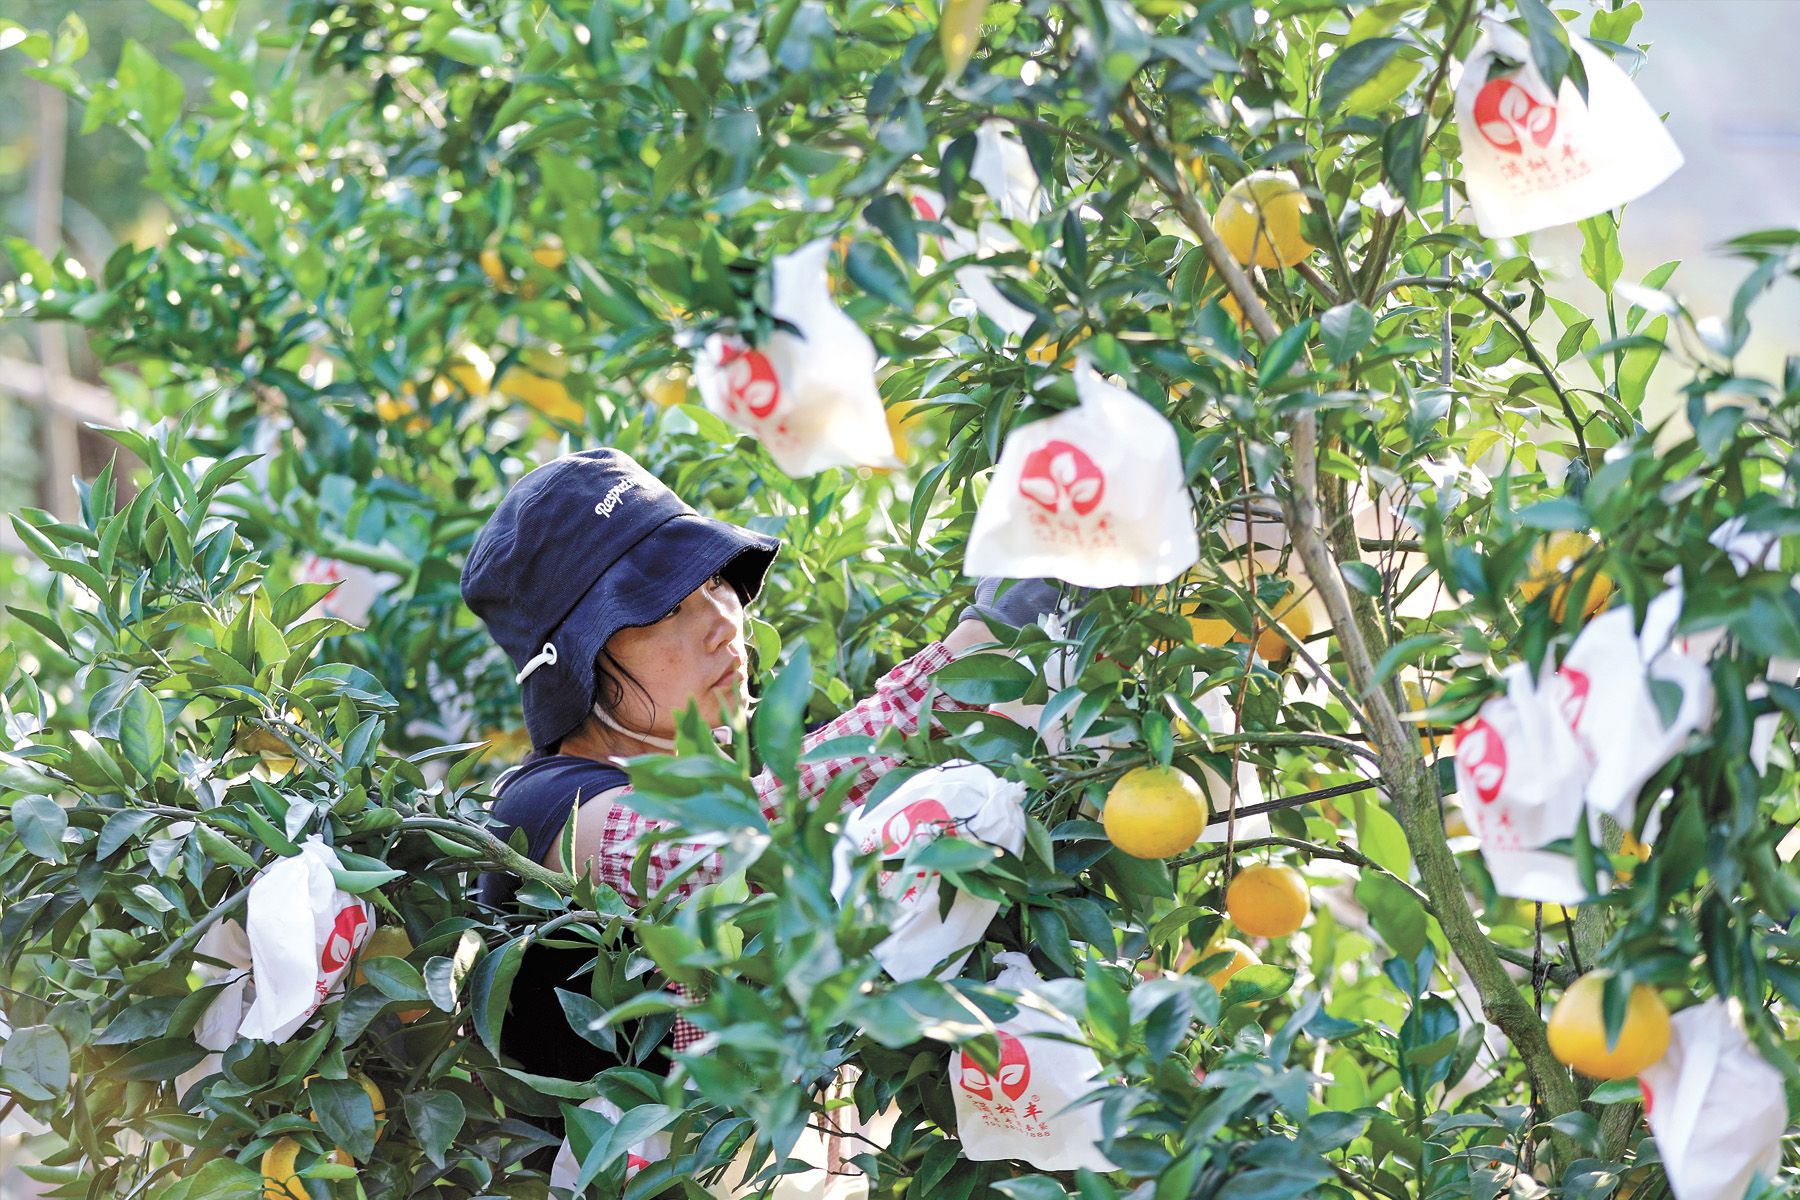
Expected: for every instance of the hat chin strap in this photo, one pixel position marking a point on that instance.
(721, 733)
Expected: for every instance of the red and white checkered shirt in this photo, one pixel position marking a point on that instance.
(897, 701)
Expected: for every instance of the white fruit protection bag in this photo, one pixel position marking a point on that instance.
(1609, 674)
(809, 398)
(1519, 779)
(1716, 1108)
(827, 1151)
(303, 933)
(227, 947)
(957, 799)
(357, 589)
(1094, 496)
(1531, 160)
(565, 1172)
(1003, 169)
(1030, 1108)
(1588, 735)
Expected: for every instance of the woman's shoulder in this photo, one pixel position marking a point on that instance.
(558, 775)
(539, 796)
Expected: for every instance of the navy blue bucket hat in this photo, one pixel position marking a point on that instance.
(579, 549)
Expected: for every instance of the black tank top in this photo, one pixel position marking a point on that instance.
(538, 798)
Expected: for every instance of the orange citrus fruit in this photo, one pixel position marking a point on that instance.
(1267, 901)
(1241, 956)
(1578, 1030)
(1154, 812)
(1259, 220)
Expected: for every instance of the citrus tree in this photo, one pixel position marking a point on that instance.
(418, 249)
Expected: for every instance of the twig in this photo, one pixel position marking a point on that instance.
(1519, 332)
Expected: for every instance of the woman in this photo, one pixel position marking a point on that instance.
(620, 605)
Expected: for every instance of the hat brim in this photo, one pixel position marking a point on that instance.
(648, 580)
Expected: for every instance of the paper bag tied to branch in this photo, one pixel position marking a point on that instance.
(1532, 160)
(810, 397)
(304, 932)
(1033, 1106)
(1094, 495)
(956, 800)
(1716, 1108)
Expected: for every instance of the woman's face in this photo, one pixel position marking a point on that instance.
(695, 652)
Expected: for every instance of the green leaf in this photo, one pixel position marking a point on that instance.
(435, 1118)
(1362, 576)
(40, 822)
(1601, 260)
(1402, 152)
(141, 730)
(776, 724)
(876, 272)
(1030, 1187)
(38, 1052)
(1380, 838)
(393, 977)
(1255, 984)
(984, 678)
(1283, 353)
(216, 1180)
(491, 987)
(162, 1059)
(358, 882)
(1354, 66)
(1345, 330)
(1549, 43)
(476, 47)
(345, 1114)
(150, 88)
(1394, 912)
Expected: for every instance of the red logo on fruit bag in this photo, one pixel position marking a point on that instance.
(1574, 701)
(922, 206)
(1060, 476)
(920, 821)
(635, 1163)
(1649, 1096)
(1486, 757)
(1013, 1076)
(347, 933)
(1507, 114)
(750, 380)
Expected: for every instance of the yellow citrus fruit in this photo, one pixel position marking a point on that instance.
(494, 267)
(1259, 220)
(1229, 303)
(1241, 956)
(959, 32)
(1291, 613)
(389, 941)
(549, 396)
(1578, 1030)
(1553, 561)
(1455, 824)
(280, 1179)
(1267, 901)
(669, 388)
(549, 253)
(899, 417)
(1154, 812)
(376, 1099)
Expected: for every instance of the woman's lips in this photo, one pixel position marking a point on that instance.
(731, 676)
